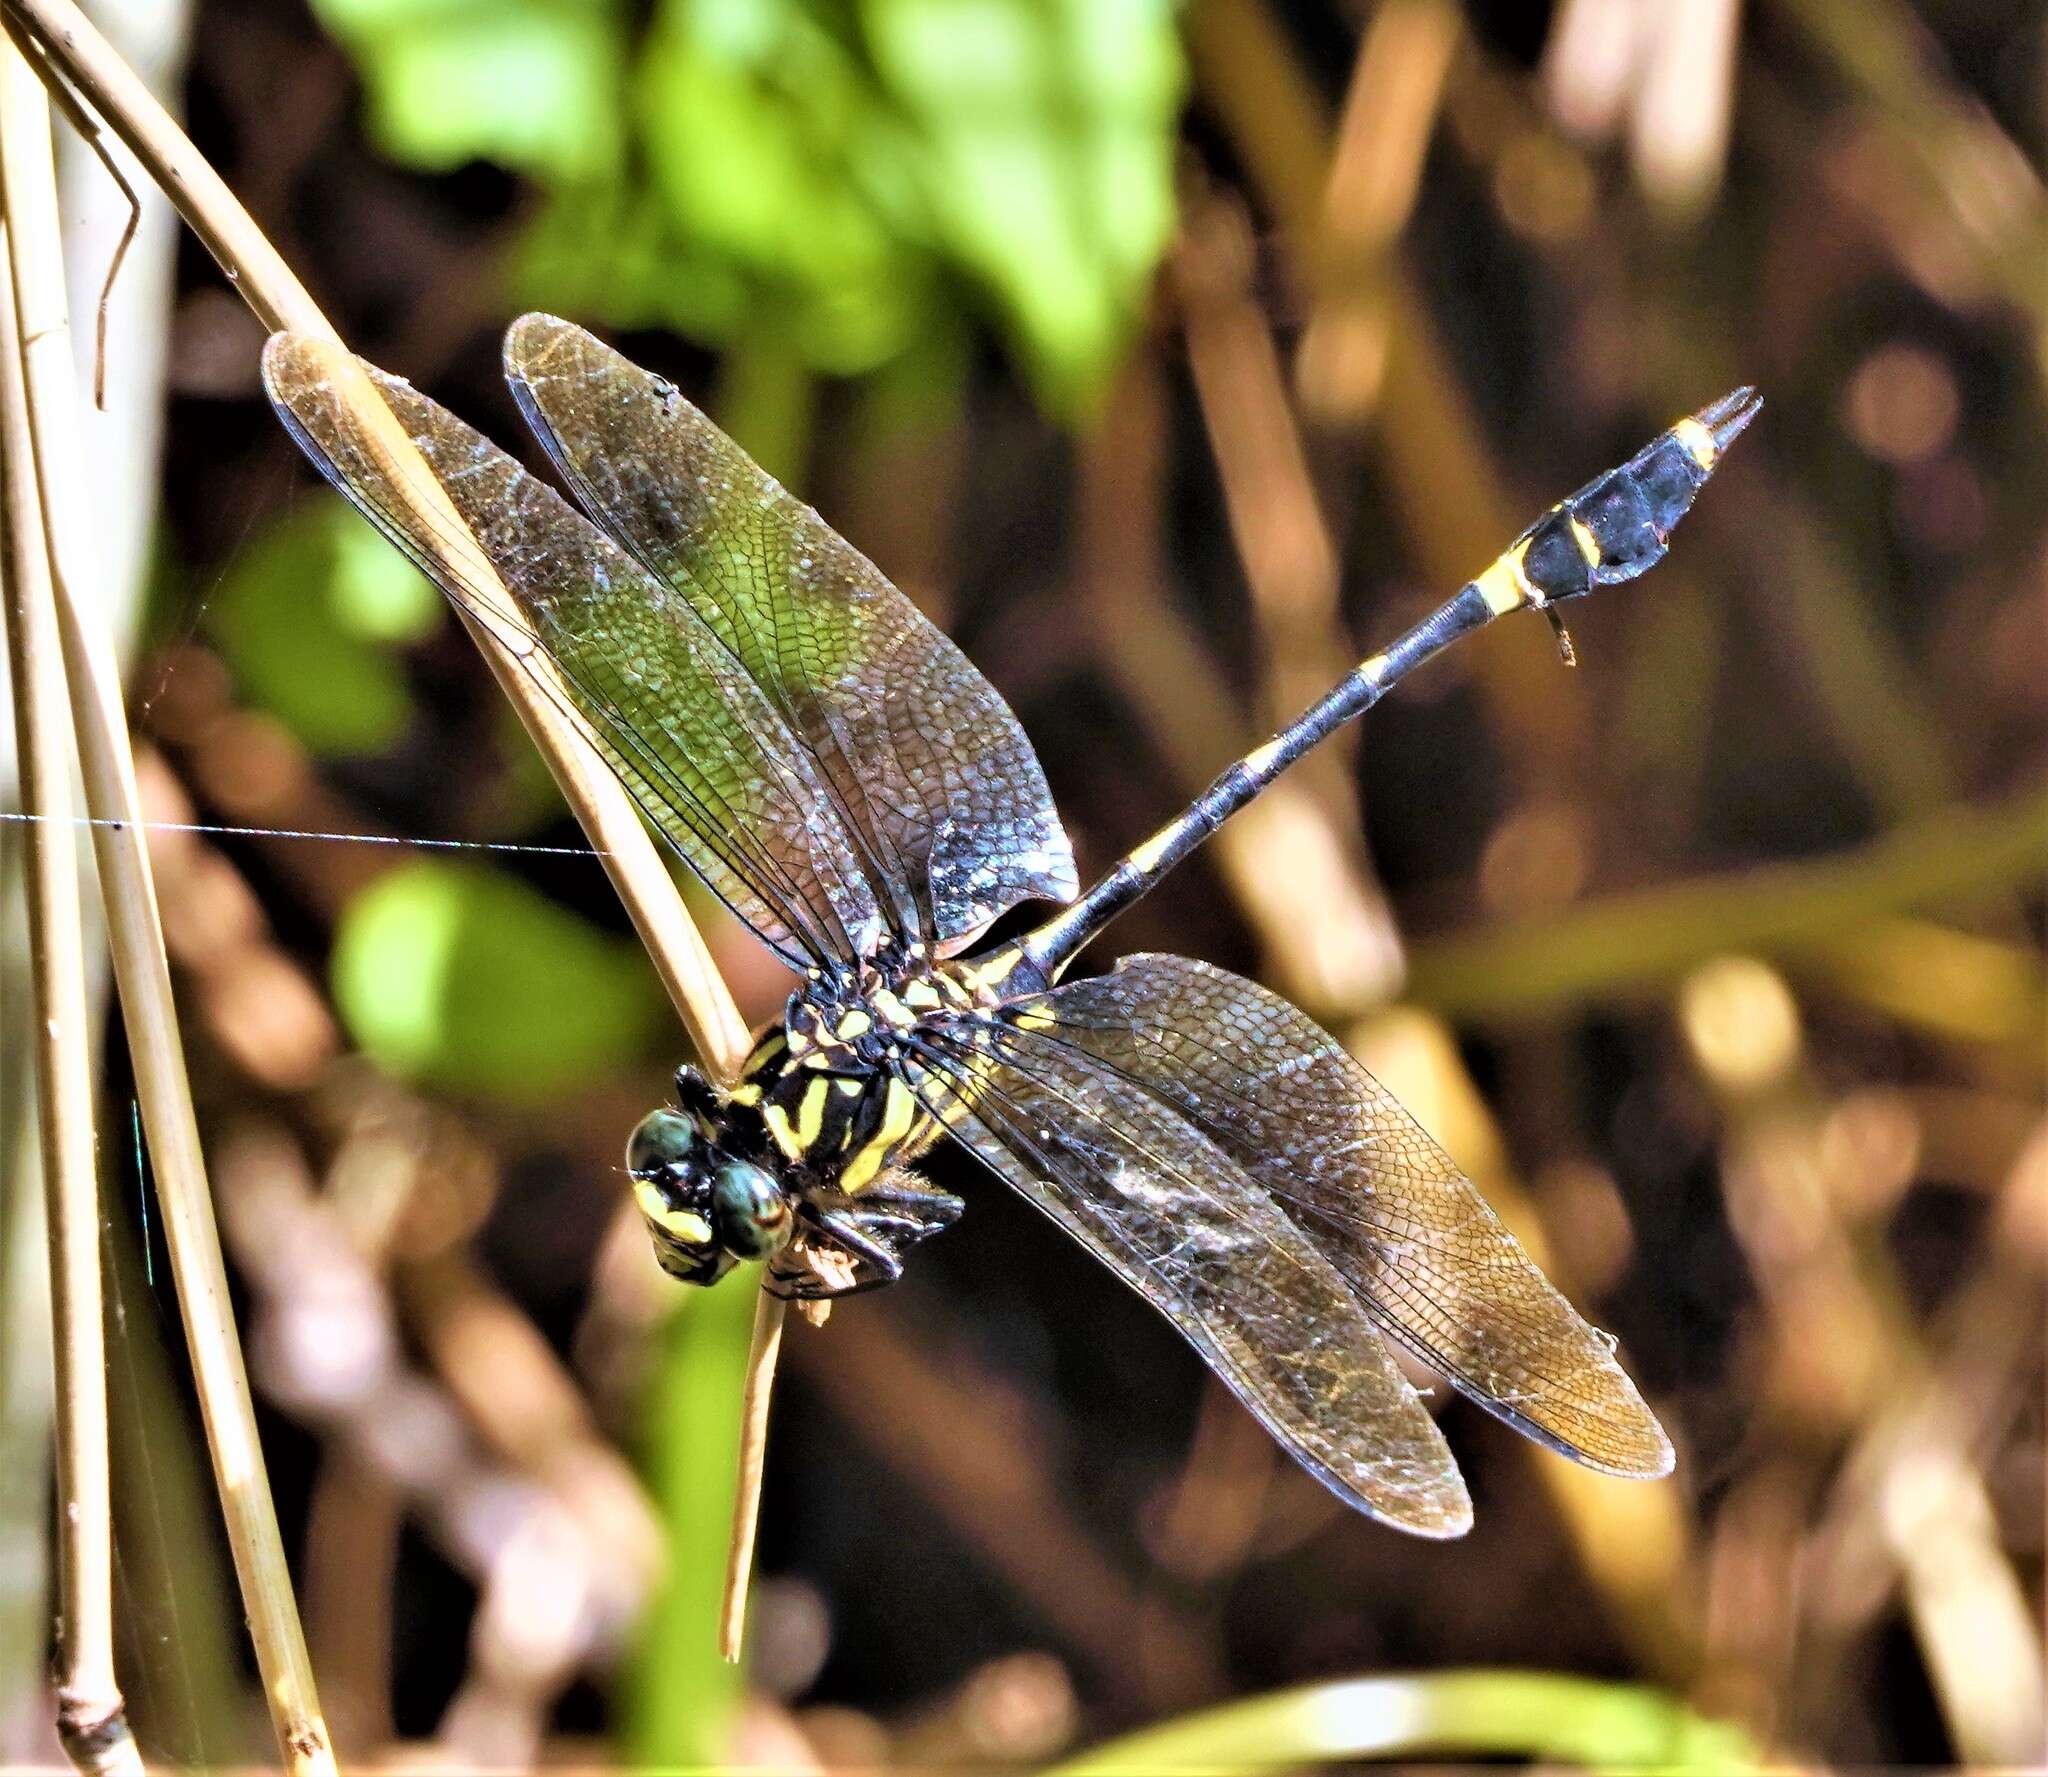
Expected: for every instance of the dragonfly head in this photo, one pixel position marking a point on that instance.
(706, 1209)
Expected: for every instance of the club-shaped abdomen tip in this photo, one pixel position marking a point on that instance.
(1708, 433)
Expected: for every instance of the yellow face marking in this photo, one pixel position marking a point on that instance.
(1147, 856)
(855, 1024)
(1697, 439)
(1504, 586)
(780, 1131)
(1589, 545)
(684, 1225)
(899, 1113)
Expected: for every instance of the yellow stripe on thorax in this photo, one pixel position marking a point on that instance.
(899, 1114)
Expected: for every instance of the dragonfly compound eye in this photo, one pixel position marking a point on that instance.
(662, 1145)
(750, 1209)
(666, 1159)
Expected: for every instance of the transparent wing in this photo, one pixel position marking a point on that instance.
(1381, 1200)
(695, 740)
(932, 775)
(1178, 1220)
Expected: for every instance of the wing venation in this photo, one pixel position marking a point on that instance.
(1178, 1220)
(694, 739)
(1384, 1203)
(930, 772)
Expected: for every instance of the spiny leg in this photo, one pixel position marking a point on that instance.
(1615, 527)
(870, 1232)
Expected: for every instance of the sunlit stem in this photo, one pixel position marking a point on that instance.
(92, 1722)
(769, 1313)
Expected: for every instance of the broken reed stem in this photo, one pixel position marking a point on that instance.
(135, 935)
(769, 1314)
(67, 42)
(92, 1722)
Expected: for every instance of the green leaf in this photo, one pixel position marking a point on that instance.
(1046, 129)
(769, 146)
(462, 976)
(530, 84)
(1543, 1716)
(305, 619)
(681, 1698)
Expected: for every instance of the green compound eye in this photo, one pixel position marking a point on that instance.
(750, 1210)
(661, 1142)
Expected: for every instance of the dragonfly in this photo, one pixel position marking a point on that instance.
(836, 771)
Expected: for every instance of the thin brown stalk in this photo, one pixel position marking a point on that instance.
(92, 1721)
(72, 49)
(70, 46)
(1325, 924)
(1375, 175)
(769, 1315)
(27, 172)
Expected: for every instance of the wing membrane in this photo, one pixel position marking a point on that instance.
(1178, 1220)
(709, 760)
(1383, 1201)
(933, 777)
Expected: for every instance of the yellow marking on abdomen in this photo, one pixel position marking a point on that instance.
(1504, 586)
(999, 968)
(1697, 439)
(899, 1113)
(1147, 856)
(1589, 545)
(1259, 758)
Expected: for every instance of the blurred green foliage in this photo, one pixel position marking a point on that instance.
(820, 169)
(680, 1696)
(530, 84)
(464, 977)
(305, 618)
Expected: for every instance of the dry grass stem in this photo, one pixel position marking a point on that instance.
(601, 804)
(769, 1314)
(134, 928)
(90, 66)
(91, 1717)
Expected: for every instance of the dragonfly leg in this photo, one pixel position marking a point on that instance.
(870, 1232)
